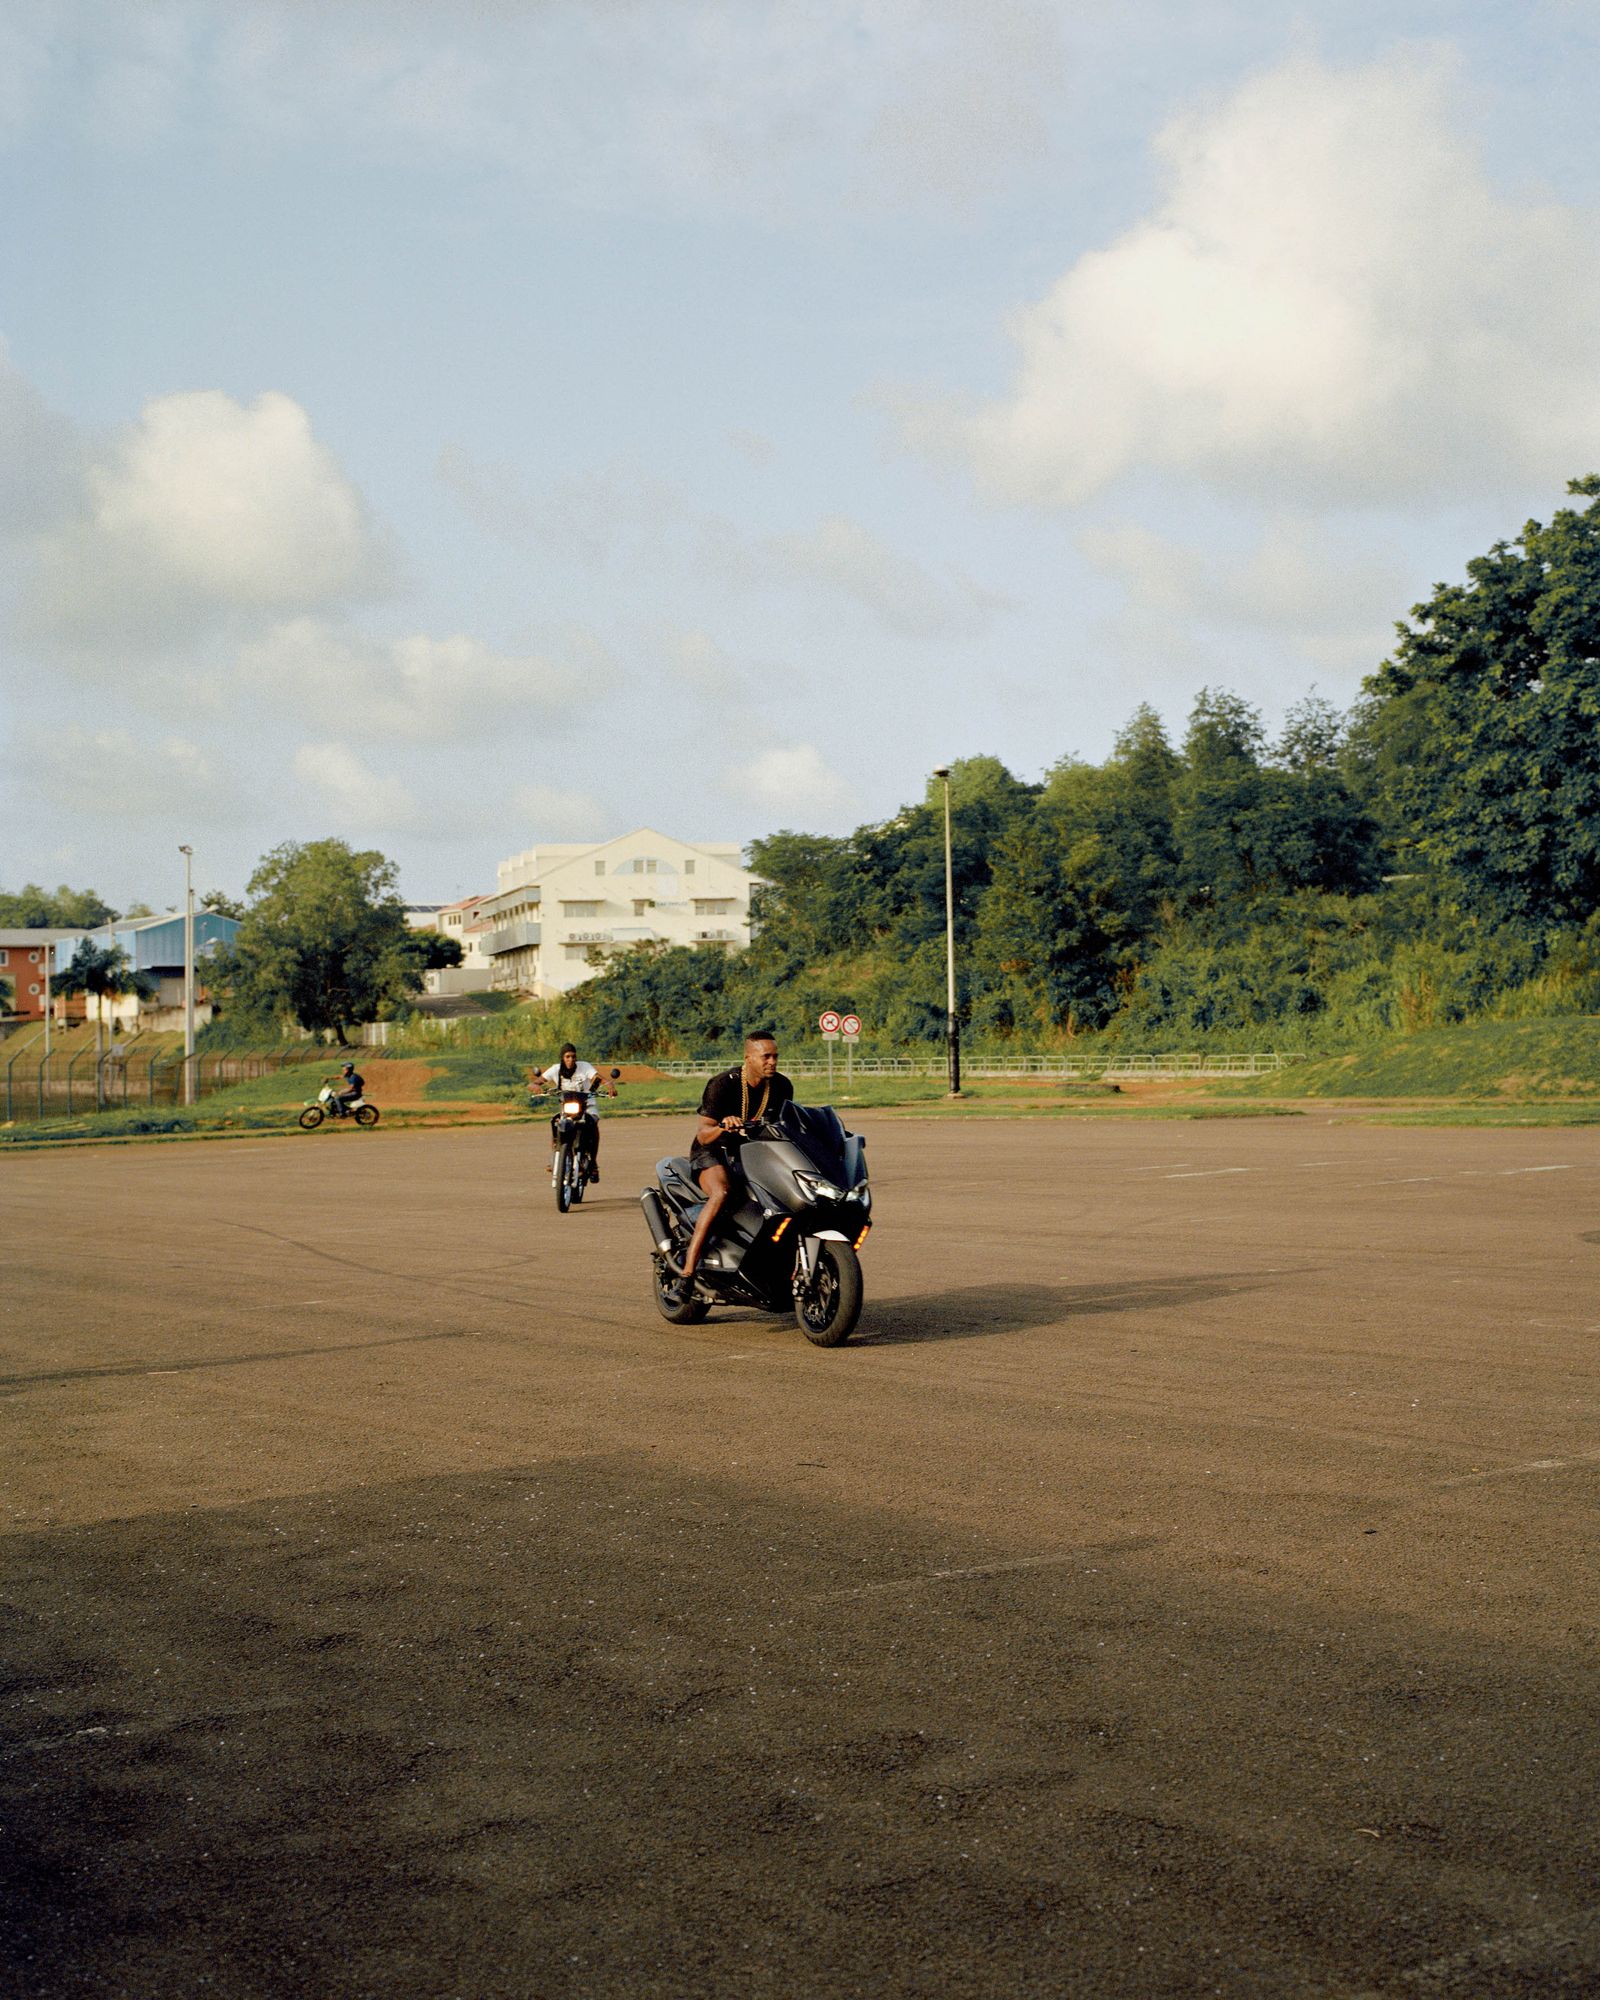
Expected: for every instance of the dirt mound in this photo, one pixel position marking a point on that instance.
(393, 1080)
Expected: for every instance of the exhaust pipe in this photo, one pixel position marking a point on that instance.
(655, 1220)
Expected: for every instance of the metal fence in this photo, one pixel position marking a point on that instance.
(1108, 1068)
(128, 1074)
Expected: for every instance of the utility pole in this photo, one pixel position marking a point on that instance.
(188, 973)
(952, 1026)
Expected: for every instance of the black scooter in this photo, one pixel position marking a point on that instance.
(788, 1241)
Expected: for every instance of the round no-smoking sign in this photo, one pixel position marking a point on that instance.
(850, 1026)
(829, 1023)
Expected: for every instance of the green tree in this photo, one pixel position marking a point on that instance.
(33, 908)
(323, 939)
(1483, 728)
(223, 904)
(434, 951)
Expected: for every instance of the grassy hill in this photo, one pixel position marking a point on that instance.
(1479, 1061)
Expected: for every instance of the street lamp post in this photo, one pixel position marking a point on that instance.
(188, 973)
(952, 1026)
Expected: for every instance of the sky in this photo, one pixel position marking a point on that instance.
(450, 425)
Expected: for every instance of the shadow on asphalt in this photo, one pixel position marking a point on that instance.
(987, 1309)
(600, 1728)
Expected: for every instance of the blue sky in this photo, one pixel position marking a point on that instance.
(451, 426)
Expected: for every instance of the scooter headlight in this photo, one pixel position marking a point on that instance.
(815, 1188)
(862, 1194)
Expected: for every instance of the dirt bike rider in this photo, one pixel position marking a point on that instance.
(349, 1090)
(571, 1075)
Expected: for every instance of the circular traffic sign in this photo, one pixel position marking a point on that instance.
(850, 1025)
(829, 1023)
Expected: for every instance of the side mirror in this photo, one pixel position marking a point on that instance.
(615, 1074)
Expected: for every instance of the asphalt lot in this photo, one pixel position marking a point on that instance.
(1185, 1583)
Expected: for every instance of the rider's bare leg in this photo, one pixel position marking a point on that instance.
(715, 1186)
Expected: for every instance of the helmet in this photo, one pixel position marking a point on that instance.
(347, 1069)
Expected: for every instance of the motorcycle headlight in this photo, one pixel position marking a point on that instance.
(815, 1188)
(572, 1107)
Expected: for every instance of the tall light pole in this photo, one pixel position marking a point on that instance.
(188, 973)
(952, 1026)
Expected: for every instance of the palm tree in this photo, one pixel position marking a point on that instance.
(105, 971)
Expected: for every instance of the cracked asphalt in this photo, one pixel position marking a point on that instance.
(1183, 1584)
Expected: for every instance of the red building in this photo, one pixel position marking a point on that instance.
(24, 961)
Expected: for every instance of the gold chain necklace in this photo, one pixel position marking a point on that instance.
(744, 1097)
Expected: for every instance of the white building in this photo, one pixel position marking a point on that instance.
(466, 923)
(562, 911)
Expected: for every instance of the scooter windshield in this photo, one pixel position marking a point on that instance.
(817, 1131)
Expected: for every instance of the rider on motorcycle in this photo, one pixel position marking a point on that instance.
(733, 1099)
(571, 1075)
(348, 1089)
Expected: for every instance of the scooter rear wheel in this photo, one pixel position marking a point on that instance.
(675, 1299)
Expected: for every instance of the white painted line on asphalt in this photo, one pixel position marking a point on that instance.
(1303, 1166)
(1129, 1545)
(1511, 1471)
(1210, 1173)
(1406, 1180)
(1165, 1167)
(1536, 1170)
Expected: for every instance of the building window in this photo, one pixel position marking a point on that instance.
(580, 909)
(5, 958)
(712, 906)
(34, 988)
(642, 904)
(599, 867)
(688, 868)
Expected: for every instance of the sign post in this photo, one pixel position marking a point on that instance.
(828, 1022)
(850, 1028)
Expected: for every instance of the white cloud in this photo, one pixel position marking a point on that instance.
(555, 812)
(108, 776)
(699, 663)
(40, 459)
(419, 687)
(1331, 300)
(847, 559)
(203, 510)
(790, 778)
(352, 794)
(613, 516)
(789, 107)
(1334, 598)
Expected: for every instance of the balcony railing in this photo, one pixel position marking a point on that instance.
(510, 937)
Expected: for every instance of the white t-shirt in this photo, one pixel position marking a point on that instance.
(584, 1077)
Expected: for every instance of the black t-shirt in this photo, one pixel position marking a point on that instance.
(354, 1083)
(727, 1095)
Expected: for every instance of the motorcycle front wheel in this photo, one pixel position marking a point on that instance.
(564, 1172)
(311, 1118)
(675, 1300)
(827, 1310)
(367, 1115)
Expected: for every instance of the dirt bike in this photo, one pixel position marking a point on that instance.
(328, 1104)
(574, 1163)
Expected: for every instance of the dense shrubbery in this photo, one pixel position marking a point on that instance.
(1435, 855)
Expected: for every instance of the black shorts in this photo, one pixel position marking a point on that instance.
(717, 1155)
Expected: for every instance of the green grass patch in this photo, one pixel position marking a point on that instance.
(1517, 1061)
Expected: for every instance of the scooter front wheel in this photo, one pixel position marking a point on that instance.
(827, 1310)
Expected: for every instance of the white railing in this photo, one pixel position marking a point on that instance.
(1109, 1068)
